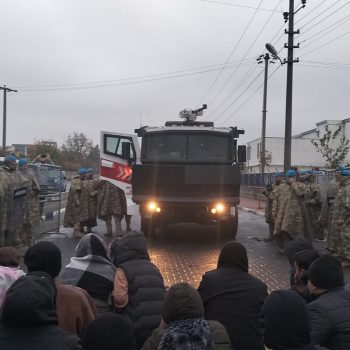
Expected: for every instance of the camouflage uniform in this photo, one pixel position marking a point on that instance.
(287, 209)
(33, 205)
(270, 193)
(92, 189)
(14, 210)
(313, 204)
(341, 218)
(111, 203)
(77, 204)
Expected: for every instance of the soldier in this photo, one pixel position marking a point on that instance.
(111, 204)
(342, 216)
(313, 202)
(92, 188)
(14, 194)
(330, 216)
(77, 204)
(269, 193)
(33, 206)
(287, 211)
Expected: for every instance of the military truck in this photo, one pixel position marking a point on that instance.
(185, 171)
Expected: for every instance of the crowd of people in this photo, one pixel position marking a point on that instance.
(295, 210)
(90, 198)
(115, 298)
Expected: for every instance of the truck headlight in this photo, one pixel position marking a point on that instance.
(218, 208)
(153, 207)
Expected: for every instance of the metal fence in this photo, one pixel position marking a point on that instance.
(50, 178)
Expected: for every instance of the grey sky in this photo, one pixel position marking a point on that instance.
(51, 43)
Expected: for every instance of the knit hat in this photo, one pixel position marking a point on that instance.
(109, 332)
(286, 321)
(44, 256)
(326, 272)
(279, 174)
(82, 171)
(10, 158)
(340, 168)
(306, 172)
(345, 172)
(233, 254)
(10, 257)
(291, 173)
(182, 302)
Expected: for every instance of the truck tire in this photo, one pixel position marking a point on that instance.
(228, 228)
(147, 226)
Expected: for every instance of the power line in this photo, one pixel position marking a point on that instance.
(249, 98)
(125, 81)
(238, 5)
(232, 52)
(308, 14)
(324, 67)
(328, 42)
(246, 53)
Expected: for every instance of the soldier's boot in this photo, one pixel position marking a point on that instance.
(270, 237)
(108, 221)
(128, 223)
(77, 233)
(118, 226)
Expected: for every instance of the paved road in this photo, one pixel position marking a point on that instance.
(184, 252)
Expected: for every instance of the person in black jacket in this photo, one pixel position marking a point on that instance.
(138, 286)
(330, 312)
(286, 323)
(29, 321)
(234, 297)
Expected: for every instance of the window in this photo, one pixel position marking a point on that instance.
(114, 145)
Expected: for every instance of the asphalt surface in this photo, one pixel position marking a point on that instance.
(185, 252)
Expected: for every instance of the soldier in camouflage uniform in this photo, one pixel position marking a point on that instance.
(14, 200)
(287, 210)
(111, 204)
(269, 193)
(77, 204)
(92, 188)
(341, 218)
(33, 206)
(313, 203)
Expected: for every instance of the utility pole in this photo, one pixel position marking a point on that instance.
(289, 94)
(266, 58)
(5, 89)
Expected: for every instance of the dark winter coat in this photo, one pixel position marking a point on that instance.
(330, 319)
(145, 284)
(29, 320)
(234, 298)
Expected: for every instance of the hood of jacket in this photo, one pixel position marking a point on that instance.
(30, 301)
(131, 246)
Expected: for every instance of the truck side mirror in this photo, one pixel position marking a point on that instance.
(242, 154)
(126, 151)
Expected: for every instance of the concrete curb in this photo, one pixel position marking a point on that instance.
(252, 211)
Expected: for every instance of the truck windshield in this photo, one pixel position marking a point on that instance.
(176, 147)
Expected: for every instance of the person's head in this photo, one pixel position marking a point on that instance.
(233, 254)
(286, 323)
(338, 171)
(344, 176)
(91, 244)
(131, 246)
(44, 256)
(22, 164)
(291, 175)
(302, 261)
(43, 158)
(89, 174)
(325, 273)
(109, 332)
(307, 175)
(182, 302)
(278, 178)
(11, 162)
(30, 302)
(9, 257)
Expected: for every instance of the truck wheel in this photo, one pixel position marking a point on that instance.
(147, 226)
(228, 228)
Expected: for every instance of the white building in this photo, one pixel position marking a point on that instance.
(304, 153)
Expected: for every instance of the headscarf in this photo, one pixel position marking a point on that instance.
(233, 254)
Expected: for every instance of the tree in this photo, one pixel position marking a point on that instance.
(49, 147)
(267, 161)
(333, 148)
(78, 143)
